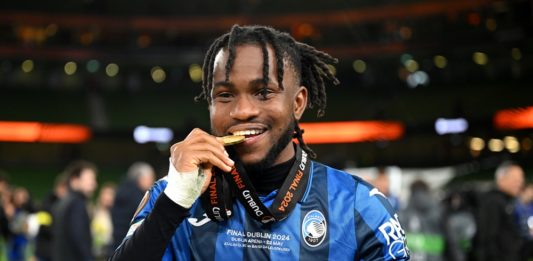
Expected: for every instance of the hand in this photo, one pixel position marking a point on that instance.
(200, 150)
(191, 162)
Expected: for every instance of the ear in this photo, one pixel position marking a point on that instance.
(300, 102)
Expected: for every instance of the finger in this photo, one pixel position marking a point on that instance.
(203, 137)
(198, 158)
(221, 154)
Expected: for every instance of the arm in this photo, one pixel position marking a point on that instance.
(379, 234)
(189, 174)
(152, 234)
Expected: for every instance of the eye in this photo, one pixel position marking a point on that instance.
(265, 93)
(223, 96)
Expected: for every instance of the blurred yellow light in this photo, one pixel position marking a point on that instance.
(111, 69)
(195, 72)
(70, 68)
(516, 54)
(480, 58)
(440, 61)
(411, 65)
(27, 66)
(491, 24)
(511, 144)
(51, 29)
(158, 74)
(477, 144)
(332, 69)
(495, 145)
(359, 66)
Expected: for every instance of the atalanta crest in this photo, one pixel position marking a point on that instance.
(314, 228)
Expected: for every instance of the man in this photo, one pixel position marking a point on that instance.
(524, 214)
(382, 183)
(140, 178)
(44, 238)
(71, 225)
(264, 198)
(498, 235)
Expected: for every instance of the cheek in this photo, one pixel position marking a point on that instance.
(217, 119)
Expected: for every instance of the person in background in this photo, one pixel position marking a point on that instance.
(19, 242)
(498, 234)
(4, 215)
(459, 223)
(71, 228)
(101, 225)
(129, 193)
(422, 223)
(43, 241)
(382, 183)
(524, 213)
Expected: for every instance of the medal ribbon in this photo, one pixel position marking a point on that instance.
(218, 197)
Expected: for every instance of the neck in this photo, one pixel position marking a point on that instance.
(271, 178)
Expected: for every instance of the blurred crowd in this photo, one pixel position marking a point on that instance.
(470, 223)
(66, 224)
(480, 223)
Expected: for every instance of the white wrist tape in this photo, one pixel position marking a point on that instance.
(184, 188)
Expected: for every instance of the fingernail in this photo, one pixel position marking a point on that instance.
(225, 152)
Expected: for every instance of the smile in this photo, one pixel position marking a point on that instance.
(248, 133)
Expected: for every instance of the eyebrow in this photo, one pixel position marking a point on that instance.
(254, 83)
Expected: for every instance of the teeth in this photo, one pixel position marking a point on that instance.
(248, 132)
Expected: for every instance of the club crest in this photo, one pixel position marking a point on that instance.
(314, 228)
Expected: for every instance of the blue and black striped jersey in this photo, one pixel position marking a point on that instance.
(340, 217)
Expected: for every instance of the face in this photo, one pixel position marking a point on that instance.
(86, 182)
(527, 194)
(107, 195)
(513, 181)
(146, 180)
(240, 106)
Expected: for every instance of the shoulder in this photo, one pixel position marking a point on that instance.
(159, 186)
(333, 173)
(148, 201)
(343, 179)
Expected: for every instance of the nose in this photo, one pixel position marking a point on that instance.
(244, 108)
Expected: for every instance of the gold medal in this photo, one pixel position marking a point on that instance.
(231, 139)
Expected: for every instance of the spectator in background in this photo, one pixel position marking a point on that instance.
(101, 225)
(71, 229)
(43, 241)
(19, 240)
(421, 220)
(498, 234)
(129, 193)
(459, 224)
(382, 183)
(4, 217)
(524, 213)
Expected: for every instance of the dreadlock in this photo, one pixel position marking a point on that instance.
(309, 64)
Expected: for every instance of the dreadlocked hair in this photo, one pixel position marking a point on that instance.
(309, 64)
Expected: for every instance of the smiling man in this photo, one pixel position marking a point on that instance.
(262, 198)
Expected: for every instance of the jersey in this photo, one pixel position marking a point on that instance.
(340, 217)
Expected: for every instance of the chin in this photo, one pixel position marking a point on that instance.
(250, 158)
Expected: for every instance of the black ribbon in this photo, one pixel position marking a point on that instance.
(217, 199)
